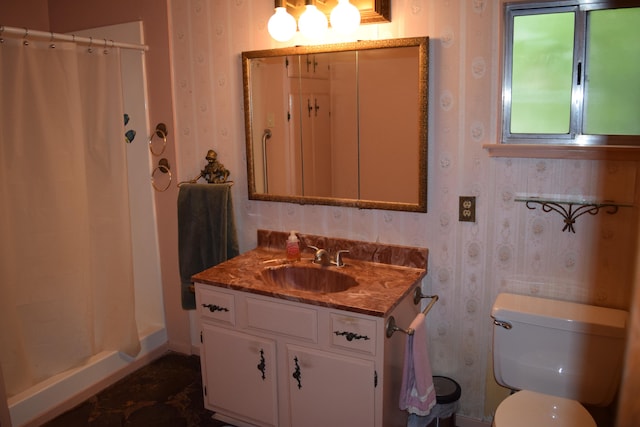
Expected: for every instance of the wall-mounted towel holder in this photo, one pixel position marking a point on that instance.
(163, 166)
(214, 172)
(392, 327)
(160, 132)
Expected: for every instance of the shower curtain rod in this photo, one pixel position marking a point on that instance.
(28, 34)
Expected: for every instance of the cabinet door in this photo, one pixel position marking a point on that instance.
(328, 389)
(239, 372)
(315, 66)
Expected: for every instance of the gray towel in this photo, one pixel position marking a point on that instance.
(206, 232)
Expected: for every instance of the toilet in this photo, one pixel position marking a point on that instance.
(556, 356)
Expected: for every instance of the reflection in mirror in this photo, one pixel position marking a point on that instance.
(388, 94)
(338, 124)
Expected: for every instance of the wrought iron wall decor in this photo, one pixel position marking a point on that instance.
(570, 210)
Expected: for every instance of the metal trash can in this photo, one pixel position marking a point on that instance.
(448, 393)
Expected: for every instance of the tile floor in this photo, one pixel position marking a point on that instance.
(167, 392)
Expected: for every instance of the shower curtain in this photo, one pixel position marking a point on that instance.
(66, 270)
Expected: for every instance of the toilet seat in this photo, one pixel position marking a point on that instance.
(531, 409)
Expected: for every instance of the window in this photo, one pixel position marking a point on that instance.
(572, 73)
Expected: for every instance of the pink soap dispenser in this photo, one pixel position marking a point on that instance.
(293, 247)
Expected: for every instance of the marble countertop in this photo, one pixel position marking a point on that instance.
(382, 281)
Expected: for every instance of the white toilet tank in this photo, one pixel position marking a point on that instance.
(558, 348)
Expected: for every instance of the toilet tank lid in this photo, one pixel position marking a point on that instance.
(557, 314)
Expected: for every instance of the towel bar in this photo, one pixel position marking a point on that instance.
(214, 172)
(417, 296)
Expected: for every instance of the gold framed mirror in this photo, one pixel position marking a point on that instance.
(342, 124)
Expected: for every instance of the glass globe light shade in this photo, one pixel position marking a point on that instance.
(345, 17)
(281, 25)
(312, 23)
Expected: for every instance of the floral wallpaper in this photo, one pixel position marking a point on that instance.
(508, 248)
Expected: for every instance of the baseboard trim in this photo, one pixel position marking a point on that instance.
(463, 421)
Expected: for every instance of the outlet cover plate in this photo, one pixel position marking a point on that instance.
(467, 212)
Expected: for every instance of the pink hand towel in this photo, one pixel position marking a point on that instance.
(417, 393)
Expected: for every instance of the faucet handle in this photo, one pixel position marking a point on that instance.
(339, 262)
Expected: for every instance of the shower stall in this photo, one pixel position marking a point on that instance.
(111, 348)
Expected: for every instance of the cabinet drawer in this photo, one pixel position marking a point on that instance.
(216, 305)
(353, 333)
(281, 318)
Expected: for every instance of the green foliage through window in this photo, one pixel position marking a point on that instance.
(542, 67)
(572, 74)
(612, 90)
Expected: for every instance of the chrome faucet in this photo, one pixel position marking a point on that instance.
(322, 257)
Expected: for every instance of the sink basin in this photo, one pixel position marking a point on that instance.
(312, 279)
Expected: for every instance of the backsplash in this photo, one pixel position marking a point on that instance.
(363, 251)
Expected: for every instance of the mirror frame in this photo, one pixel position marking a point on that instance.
(423, 61)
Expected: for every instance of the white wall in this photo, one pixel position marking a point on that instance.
(508, 248)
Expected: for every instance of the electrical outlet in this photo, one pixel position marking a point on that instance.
(467, 209)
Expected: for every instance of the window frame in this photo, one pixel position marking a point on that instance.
(574, 137)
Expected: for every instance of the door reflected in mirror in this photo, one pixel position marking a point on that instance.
(338, 124)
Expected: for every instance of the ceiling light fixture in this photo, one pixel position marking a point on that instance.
(281, 25)
(313, 24)
(345, 18)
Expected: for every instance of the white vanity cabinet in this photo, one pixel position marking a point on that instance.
(273, 362)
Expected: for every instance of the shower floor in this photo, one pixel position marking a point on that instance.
(166, 392)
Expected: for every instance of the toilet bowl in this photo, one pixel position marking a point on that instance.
(532, 409)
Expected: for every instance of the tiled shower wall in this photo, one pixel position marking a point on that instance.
(509, 248)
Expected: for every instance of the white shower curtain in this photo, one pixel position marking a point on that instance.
(66, 271)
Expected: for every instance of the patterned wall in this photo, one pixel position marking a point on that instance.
(509, 248)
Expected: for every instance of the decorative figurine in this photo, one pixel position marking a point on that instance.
(214, 172)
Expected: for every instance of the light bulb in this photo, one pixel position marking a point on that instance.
(312, 23)
(345, 17)
(281, 25)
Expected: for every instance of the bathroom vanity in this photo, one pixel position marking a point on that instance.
(273, 355)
